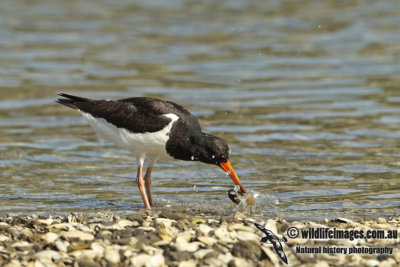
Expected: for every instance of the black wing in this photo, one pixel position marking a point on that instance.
(138, 115)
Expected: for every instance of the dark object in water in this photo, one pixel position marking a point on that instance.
(234, 196)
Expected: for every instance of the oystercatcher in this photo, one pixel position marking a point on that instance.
(152, 128)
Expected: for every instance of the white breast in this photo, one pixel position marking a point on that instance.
(139, 144)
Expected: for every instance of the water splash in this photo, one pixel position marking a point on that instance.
(261, 201)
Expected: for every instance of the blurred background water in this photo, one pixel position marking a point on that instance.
(305, 92)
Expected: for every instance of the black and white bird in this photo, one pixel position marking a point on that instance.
(152, 128)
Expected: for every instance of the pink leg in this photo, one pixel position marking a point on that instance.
(147, 180)
(141, 185)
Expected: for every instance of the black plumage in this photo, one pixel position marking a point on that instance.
(133, 114)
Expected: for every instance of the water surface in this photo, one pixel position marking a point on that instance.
(306, 93)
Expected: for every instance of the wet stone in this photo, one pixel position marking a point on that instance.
(246, 249)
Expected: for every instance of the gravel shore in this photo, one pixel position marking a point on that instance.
(169, 238)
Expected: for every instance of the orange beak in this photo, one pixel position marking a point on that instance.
(228, 167)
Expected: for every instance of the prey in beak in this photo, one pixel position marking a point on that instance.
(234, 196)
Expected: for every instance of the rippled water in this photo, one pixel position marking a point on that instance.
(306, 93)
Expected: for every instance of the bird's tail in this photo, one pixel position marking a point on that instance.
(71, 100)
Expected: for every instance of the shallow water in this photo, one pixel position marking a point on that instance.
(306, 94)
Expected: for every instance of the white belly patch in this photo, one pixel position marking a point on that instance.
(139, 144)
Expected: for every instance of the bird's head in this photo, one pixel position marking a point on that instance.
(214, 150)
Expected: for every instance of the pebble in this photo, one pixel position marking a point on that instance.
(87, 254)
(106, 234)
(61, 246)
(50, 237)
(273, 257)
(164, 222)
(21, 245)
(271, 225)
(240, 215)
(112, 255)
(156, 261)
(238, 262)
(46, 221)
(13, 263)
(202, 253)
(387, 263)
(209, 241)
(239, 226)
(189, 247)
(372, 263)
(147, 228)
(122, 224)
(245, 249)
(184, 236)
(27, 232)
(223, 235)
(61, 227)
(35, 264)
(213, 262)
(190, 263)
(321, 264)
(3, 238)
(48, 255)
(205, 229)
(381, 221)
(225, 258)
(248, 236)
(98, 250)
(140, 260)
(175, 239)
(79, 235)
